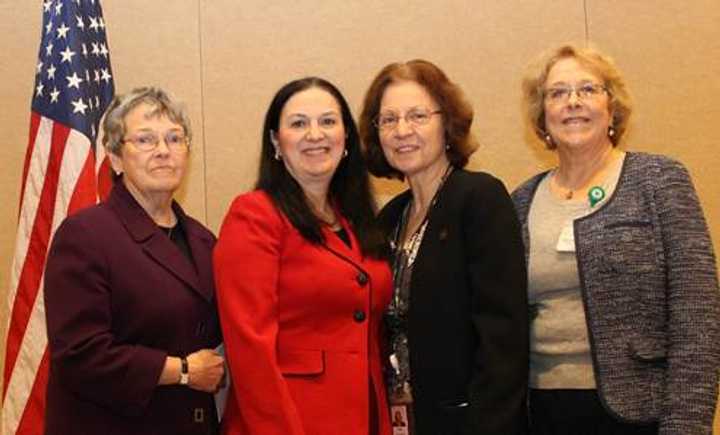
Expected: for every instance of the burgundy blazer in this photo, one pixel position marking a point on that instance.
(120, 296)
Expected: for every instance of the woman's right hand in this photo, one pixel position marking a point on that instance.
(206, 370)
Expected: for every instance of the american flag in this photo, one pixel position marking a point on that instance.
(64, 171)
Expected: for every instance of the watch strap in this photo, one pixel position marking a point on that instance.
(184, 372)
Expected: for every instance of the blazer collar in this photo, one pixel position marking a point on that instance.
(351, 254)
(158, 247)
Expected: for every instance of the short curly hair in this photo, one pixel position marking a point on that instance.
(114, 128)
(533, 88)
(456, 111)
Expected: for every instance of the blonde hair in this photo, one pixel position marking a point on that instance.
(533, 88)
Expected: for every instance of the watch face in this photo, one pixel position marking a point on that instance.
(184, 378)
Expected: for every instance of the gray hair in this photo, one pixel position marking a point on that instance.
(114, 128)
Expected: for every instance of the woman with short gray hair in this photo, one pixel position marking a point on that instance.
(129, 291)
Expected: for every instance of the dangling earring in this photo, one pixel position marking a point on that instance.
(548, 139)
(278, 157)
(345, 153)
(611, 131)
(447, 147)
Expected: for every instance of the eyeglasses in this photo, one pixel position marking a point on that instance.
(561, 94)
(175, 141)
(389, 120)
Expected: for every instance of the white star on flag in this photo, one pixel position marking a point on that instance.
(74, 81)
(47, 5)
(51, 72)
(94, 24)
(80, 24)
(67, 55)
(54, 95)
(39, 89)
(106, 75)
(58, 7)
(39, 67)
(79, 106)
(62, 31)
(48, 49)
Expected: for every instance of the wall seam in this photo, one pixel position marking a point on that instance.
(587, 27)
(202, 110)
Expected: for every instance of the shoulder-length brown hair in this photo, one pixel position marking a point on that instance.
(457, 113)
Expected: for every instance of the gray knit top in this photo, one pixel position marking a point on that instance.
(559, 347)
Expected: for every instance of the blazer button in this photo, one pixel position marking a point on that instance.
(359, 315)
(361, 278)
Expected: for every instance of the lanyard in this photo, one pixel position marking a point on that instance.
(404, 256)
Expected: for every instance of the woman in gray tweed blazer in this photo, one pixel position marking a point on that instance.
(623, 287)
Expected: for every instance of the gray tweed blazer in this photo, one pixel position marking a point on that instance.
(650, 290)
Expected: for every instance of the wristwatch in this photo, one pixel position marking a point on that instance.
(184, 375)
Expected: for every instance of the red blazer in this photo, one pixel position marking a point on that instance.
(301, 324)
(119, 298)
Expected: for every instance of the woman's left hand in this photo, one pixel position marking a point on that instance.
(206, 370)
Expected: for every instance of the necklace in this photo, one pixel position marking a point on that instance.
(585, 180)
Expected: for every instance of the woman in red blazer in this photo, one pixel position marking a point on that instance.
(129, 292)
(301, 278)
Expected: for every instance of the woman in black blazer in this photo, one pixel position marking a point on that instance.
(457, 323)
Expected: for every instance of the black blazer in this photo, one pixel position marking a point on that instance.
(468, 319)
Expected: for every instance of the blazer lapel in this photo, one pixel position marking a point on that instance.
(337, 247)
(199, 246)
(153, 242)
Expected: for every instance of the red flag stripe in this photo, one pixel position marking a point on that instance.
(34, 259)
(34, 126)
(78, 156)
(32, 421)
(85, 192)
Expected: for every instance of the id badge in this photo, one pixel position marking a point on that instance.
(401, 411)
(566, 241)
(400, 422)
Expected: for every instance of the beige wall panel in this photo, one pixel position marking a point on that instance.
(158, 43)
(481, 45)
(671, 62)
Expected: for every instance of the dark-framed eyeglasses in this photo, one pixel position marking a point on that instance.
(389, 119)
